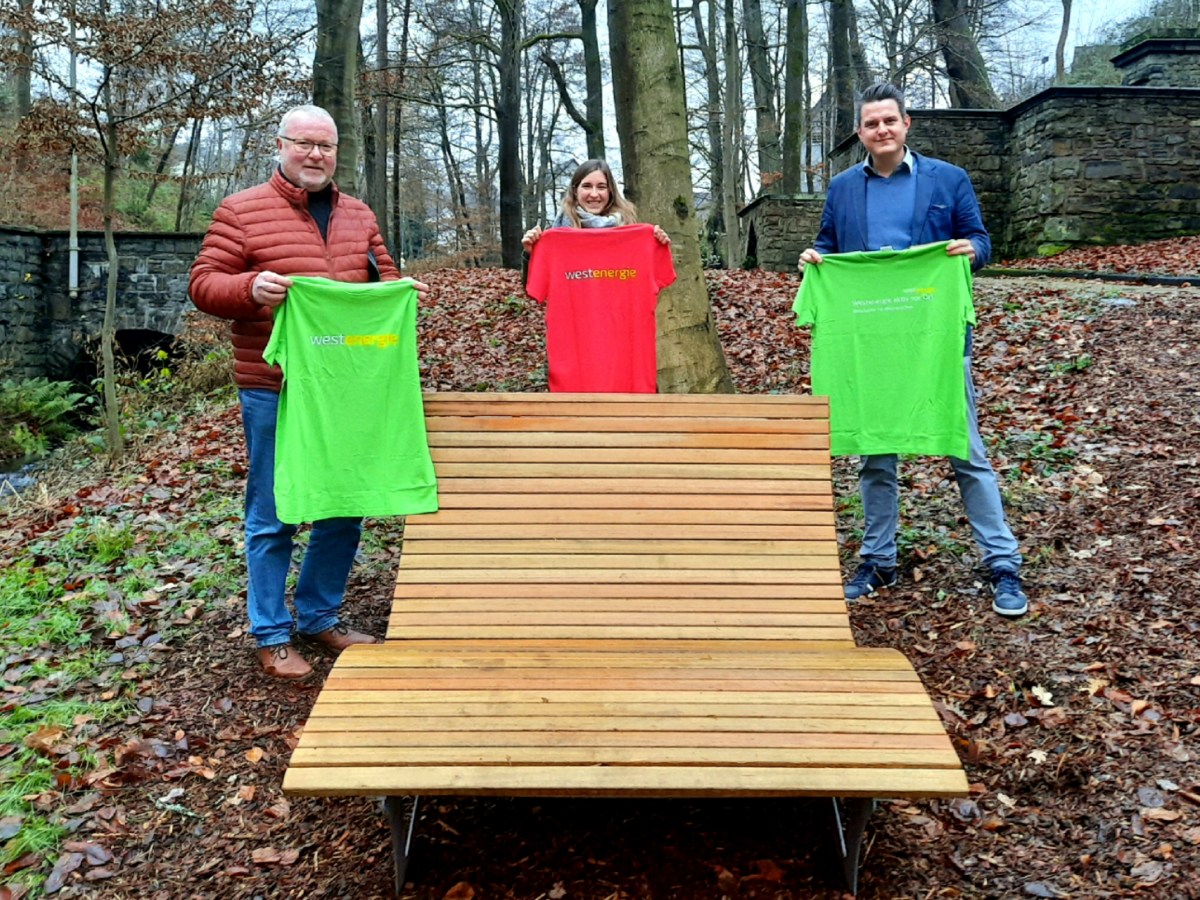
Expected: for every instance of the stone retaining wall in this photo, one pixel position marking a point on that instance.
(777, 229)
(43, 330)
(1161, 62)
(1103, 165)
(1072, 165)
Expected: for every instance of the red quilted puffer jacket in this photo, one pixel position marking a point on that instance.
(268, 228)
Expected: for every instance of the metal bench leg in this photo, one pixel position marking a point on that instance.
(850, 816)
(403, 824)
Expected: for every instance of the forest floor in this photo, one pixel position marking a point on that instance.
(1078, 725)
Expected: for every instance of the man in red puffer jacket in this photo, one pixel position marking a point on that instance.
(297, 223)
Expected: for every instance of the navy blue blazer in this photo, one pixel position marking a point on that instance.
(946, 208)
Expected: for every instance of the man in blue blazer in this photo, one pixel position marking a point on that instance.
(894, 200)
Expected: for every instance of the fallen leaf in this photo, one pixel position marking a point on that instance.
(67, 863)
(1160, 815)
(254, 754)
(460, 891)
(44, 739)
(265, 856)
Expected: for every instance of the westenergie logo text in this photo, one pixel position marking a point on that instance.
(609, 274)
(381, 341)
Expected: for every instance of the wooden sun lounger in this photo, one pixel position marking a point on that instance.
(625, 595)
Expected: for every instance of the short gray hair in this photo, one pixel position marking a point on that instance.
(308, 111)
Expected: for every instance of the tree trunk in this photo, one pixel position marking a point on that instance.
(508, 123)
(401, 80)
(715, 224)
(334, 69)
(1060, 64)
(762, 76)
(731, 134)
(795, 108)
(379, 167)
(22, 71)
(970, 87)
(464, 235)
(163, 159)
(841, 73)
(189, 166)
(108, 330)
(593, 72)
(593, 131)
(652, 121)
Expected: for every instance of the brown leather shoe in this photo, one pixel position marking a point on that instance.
(282, 661)
(341, 636)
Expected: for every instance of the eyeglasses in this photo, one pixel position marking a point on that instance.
(306, 147)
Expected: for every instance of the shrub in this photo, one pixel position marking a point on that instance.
(36, 413)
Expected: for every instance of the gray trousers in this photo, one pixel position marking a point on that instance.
(976, 483)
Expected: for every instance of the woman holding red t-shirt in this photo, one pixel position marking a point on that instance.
(600, 288)
(593, 200)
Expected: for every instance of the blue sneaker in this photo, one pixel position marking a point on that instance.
(868, 579)
(1007, 597)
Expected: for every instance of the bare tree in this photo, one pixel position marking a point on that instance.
(841, 73)
(795, 101)
(1060, 65)
(731, 141)
(762, 77)
(706, 41)
(591, 118)
(970, 86)
(652, 123)
(148, 78)
(335, 66)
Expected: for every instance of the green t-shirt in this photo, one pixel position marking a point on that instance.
(351, 434)
(887, 348)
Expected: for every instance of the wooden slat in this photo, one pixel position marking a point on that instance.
(652, 558)
(608, 592)
(800, 463)
(686, 577)
(776, 699)
(460, 420)
(624, 781)
(547, 530)
(618, 606)
(623, 484)
(619, 516)
(386, 755)
(680, 654)
(876, 745)
(580, 471)
(808, 441)
(796, 550)
(463, 498)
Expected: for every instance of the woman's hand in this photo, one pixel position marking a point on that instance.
(530, 238)
(661, 236)
(810, 257)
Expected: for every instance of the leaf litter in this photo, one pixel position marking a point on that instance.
(1078, 725)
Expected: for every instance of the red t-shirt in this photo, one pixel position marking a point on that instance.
(600, 286)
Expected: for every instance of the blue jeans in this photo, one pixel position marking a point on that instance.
(976, 483)
(331, 545)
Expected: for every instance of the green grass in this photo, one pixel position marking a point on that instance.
(27, 774)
